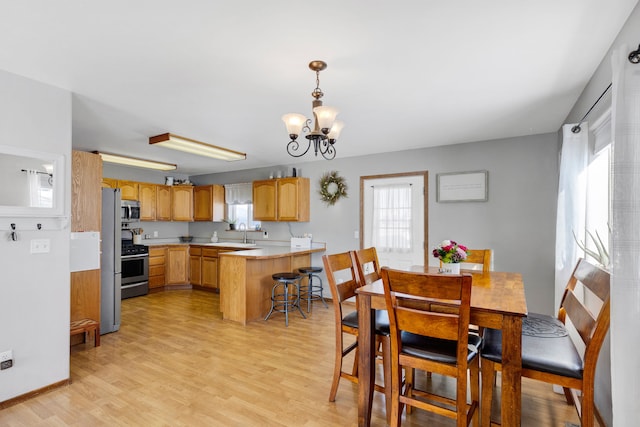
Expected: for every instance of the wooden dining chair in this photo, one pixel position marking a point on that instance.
(478, 259)
(432, 341)
(548, 351)
(368, 265)
(343, 281)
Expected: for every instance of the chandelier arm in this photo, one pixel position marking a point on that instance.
(329, 151)
(293, 146)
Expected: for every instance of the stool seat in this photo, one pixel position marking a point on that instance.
(309, 270)
(286, 276)
(282, 300)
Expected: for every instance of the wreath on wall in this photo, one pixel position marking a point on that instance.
(332, 187)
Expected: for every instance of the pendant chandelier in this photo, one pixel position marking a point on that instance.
(326, 128)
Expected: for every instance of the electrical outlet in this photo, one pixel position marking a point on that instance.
(6, 359)
(155, 234)
(40, 246)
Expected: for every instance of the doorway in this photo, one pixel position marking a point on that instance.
(394, 217)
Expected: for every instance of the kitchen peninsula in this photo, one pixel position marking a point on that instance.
(245, 278)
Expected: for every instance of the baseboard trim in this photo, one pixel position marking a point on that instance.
(34, 393)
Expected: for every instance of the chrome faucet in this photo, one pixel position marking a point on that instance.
(243, 227)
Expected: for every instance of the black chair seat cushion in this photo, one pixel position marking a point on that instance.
(286, 276)
(546, 346)
(438, 350)
(382, 321)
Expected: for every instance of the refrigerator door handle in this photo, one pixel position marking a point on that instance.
(117, 303)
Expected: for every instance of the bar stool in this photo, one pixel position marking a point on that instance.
(281, 299)
(312, 292)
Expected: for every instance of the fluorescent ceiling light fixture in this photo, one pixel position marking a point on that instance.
(139, 163)
(192, 146)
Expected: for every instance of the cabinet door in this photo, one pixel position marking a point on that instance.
(182, 203)
(177, 271)
(163, 203)
(148, 198)
(293, 199)
(208, 203)
(264, 200)
(210, 272)
(129, 189)
(109, 183)
(157, 267)
(203, 203)
(195, 270)
(86, 195)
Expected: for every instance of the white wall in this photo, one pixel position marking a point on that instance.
(34, 289)
(518, 221)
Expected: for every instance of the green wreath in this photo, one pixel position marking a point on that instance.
(332, 187)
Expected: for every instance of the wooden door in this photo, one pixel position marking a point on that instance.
(264, 200)
(182, 203)
(163, 203)
(203, 203)
(157, 267)
(148, 196)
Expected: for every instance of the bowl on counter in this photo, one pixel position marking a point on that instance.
(186, 239)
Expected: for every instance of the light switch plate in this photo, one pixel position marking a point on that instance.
(40, 246)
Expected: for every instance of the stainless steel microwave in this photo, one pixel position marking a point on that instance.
(129, 211)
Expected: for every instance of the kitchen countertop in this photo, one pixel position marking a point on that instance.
(275, 252)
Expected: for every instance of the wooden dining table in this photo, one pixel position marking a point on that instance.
(497, 301)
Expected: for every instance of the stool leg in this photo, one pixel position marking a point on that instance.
(321, 291)
(286, 304)
(273, 302)
(297, 285)
(309, 293)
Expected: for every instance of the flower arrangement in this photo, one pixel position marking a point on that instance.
(450, 252)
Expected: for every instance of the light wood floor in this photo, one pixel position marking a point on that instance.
(175, 362)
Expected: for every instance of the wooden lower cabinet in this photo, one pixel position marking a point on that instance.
(177, 265)
(195, 266)
(157, 256)
(210, 268)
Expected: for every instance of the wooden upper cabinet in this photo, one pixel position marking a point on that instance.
(163, 203)
(208, 203)
(285, 199)
(182, 203)
(128, 189)
(86, 199)
(148, 198)
(293, 199)
(264, 200)
(109, 182)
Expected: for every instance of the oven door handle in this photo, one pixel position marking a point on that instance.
(134, 256)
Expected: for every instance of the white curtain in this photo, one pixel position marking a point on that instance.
(572, 199)
(625, 241)
(392, 222)
(238, 194)
(34, 188)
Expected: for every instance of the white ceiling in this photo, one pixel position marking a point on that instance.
(404, 74)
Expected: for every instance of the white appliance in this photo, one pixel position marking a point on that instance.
(110, 261)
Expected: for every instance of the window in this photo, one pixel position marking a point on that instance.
(392, 221)
(239, 200)
(243, 214)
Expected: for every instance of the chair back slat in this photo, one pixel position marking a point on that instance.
(593, 278)
(368, 265)
(431, 324)
(580, 316)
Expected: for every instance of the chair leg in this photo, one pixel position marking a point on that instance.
(568, 395)
(337, 368)
(587, 414)
(474, 379)
(409, 374)
(395, 417)
(386, 367)
(488, 380)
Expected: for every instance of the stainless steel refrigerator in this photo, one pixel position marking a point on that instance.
(110, 263)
